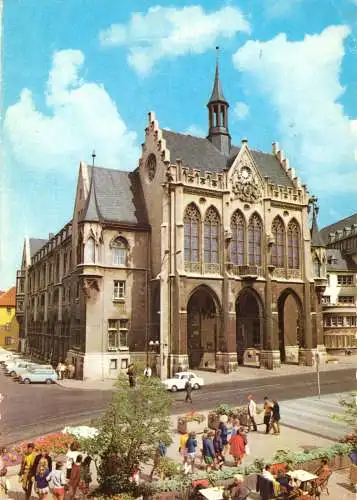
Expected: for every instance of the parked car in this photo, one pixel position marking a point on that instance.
(178, 381)
(11, 363)
(38, 375)
(21, 368)
(8, 355)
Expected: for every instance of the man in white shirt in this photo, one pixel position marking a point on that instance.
(252, 413)
(147, 371)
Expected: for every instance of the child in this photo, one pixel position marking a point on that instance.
(75, 478)
(57, 479)
(41, 482)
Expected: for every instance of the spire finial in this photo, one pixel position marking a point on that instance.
(93, 157)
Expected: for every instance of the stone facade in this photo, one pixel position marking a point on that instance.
(340, 297)
(211, 245)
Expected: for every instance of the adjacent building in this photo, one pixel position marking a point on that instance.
(340, 296)
(9, 327)
(203, 251)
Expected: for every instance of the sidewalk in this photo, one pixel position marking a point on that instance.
(243, 373)
(261, 445)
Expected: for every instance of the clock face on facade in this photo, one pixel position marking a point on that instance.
(151, 167)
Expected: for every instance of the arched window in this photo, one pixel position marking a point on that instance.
(89, 251)
(211, 236)
(238, 237)
(119, 252)
(293, 245)
(255, 240)
(278, 248)
(79, 250)
(192, 233)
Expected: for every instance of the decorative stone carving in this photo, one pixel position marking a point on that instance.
(91, 288)
(245, 184)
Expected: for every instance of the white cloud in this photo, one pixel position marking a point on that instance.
(241, 110)
(169, 32)
(301, 82)
(195, 131)
(80, 116)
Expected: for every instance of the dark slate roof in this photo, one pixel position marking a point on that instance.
(337, 262)
(200, 153)
(35, 245)
(115, 196)
(339, 225)
(316, 238)
(217, 91)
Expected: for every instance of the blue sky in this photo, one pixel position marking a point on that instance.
(82, 75)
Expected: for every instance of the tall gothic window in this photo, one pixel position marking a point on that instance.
(191, 222)
(211, 236)
(278, 248)
(255, 240)
(89, 251)
(293, 245)
(120, 252)
(238, 237)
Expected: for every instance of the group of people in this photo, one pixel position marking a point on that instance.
(271, 415)
(37, 473)
(65, 370)
(269, 484)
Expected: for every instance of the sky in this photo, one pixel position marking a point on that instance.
(81, 75)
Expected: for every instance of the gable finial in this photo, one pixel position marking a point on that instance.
(93, 157)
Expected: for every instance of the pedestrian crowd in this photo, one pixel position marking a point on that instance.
(65, 370)
(64, 479)
(226, 440)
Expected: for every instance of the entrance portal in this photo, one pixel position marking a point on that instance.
(202, 328)
(249, 323)
(291, 335)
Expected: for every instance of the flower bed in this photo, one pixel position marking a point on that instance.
(56, 443)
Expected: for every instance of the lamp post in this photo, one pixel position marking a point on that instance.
(317, 361)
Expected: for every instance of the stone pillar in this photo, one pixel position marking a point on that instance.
(226, 361)
(307, 352)
(270, 353)
(178, 361)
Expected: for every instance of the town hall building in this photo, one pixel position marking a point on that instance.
(202, 257)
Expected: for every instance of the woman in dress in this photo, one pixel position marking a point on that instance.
(237, 448)
(75, 478)
(25, 474)
(41, 481)
(275, 419)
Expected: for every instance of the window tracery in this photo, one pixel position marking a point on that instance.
(237, 248)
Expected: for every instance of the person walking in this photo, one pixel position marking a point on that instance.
(57, 480)
(25, 474)
(41, 482)
(3, 472)
(63, 369)
(218, 448)
(252, 414)
(275, 419)
(191, 446)
(132, 375)
(208, 452)
(75, 478)
(188, 389)
(237, 448)
(224, 434)
(43, 455)
(147, 371)
(268, 409)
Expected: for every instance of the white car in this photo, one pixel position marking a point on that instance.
(178, 381)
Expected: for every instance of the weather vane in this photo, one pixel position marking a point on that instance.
(93, 157)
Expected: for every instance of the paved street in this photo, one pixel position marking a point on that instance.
(32, 410)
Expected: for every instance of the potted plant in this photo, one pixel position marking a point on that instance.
(190, 422)
(214, 417)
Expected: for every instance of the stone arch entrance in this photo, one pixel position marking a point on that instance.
(291, 328)
(203, 324)
(249, 327)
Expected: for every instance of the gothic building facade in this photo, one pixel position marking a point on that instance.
(203, 251)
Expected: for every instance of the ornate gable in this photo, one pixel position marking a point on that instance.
(244, 179)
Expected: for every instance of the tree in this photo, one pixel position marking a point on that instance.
(134, 423)
(349, 415)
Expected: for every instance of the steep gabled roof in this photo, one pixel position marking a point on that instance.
(338, 262)
(217, 91)
(339, 225)
(201, 154)
(115, 196)
(316, 238)
(8, 298)
(36, 244)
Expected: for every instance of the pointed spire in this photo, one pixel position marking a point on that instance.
(217, 92)
(316, 238)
